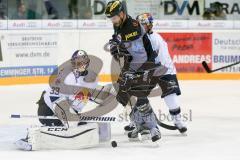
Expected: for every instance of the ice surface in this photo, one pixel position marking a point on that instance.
(213, 132)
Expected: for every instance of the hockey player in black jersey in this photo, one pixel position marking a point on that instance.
(132, 42)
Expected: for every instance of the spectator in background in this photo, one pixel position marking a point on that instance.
(24, 13)
(215, 12)
(208, 14)
(2, 10)
(31, 12)
(73, 9)
(21, 12)
(2, 15)
(51, 10)
(84, 12)
(218, 11)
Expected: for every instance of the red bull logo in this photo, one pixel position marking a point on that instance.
(84, 95)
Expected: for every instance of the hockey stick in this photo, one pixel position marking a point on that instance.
(19, 116)
(166, 126)
(206, 67)
(32, 116)
(15, 116)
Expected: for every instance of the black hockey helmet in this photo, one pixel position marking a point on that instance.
(113, 8)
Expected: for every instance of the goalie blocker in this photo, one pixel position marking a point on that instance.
(83, 136)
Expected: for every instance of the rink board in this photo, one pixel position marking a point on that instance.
(30, 56)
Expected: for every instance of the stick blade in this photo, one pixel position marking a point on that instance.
(205, 66)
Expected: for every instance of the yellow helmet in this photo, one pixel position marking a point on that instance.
(113, 8)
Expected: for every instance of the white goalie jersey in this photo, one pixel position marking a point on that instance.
(77, 98)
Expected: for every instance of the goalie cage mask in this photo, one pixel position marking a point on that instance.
(80, 62)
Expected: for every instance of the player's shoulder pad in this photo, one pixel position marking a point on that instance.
(90, 77)
(131, 30)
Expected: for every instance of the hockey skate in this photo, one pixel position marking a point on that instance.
(179, 124)
(23, 144)
(129, 128)
(133, 135)
(155, 134)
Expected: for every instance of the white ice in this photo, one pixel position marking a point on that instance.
(213, 133)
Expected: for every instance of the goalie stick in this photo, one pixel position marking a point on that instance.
(32, 116)
(208, 70)
(18, 116)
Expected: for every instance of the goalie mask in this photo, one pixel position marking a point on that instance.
(80, 62)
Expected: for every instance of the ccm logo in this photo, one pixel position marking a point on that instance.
(57, 129)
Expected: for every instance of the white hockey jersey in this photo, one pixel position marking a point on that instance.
(78, 98)
(160, 46)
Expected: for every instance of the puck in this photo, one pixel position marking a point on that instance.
(114, 144)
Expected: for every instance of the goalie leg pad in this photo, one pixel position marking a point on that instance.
(104, 132)
(84, 136)
(44, 110)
